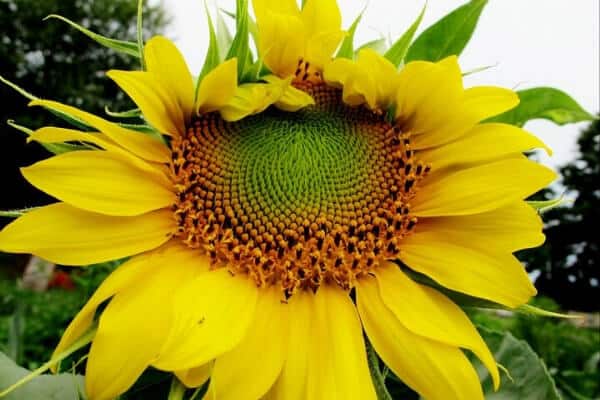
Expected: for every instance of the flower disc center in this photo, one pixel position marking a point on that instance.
(299, 198)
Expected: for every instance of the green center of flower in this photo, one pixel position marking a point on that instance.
(296, 199)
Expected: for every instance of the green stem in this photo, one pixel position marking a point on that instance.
(177, 390)
(376, 375)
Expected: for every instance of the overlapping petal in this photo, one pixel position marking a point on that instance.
(434, 369)
(139, 318)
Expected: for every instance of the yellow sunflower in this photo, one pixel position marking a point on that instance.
(275, 222)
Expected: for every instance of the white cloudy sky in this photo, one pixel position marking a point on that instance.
(534, 42)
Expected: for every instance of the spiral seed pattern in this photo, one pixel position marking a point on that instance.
(296, 199)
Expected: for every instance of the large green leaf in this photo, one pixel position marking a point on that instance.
(122, 46)
(545, 103)
(397, 52)
(44, 387)
(449, 35)
(529, 378)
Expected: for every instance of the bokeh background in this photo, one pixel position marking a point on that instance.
(534, 43)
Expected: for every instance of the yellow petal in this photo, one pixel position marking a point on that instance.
(281, 42)
(165, 61)
(286, 7)
(321, 46)
(213, 315)
(123, 277)
(428, 95)
(250, 98)
(195, 377)
(435, 370)
(138, 143)
(134, 325)
(322, 16)
(338, 71)
(250, 369)
(159, 106)
(485, 142)
(291, 99)
(101, 182)
(428, 313)
(50, 134)
(488, 274)
(483, 102)
(510, 228)
(291, 384)
(218, 87)
(481, 188)
(70, 236)
(384, 77)
(337, 364)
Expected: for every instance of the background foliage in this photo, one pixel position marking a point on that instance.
(54, 61)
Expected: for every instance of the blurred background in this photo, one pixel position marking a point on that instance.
(534, 43)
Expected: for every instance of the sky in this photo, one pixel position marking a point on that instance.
(531, 43)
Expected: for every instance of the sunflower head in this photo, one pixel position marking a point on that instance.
(295, 200)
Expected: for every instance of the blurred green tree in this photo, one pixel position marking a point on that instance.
(54, 61)
(568, 262)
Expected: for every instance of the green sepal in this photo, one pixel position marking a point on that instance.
(53, 148)
(16, 213)
(540, 312)
(544, 103)
(140, 33)
(122, 46)
(397, 52)
(541, 206)
(224, 38)
(478, 70)
(240, 46)
(378, 45)
(347, 48)
(252, 27)
(134, 113)
(212, 55)
(448, 36)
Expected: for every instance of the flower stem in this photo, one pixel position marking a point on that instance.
(376, 375)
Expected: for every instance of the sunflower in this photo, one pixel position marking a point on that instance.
(272, 223)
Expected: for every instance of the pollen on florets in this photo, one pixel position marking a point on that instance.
(296, 199)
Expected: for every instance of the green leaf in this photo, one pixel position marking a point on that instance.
(45, 387)
(529, 378)
(122, 46)
(544, 103)
(379, 45)
(347, 48)
(54, 148)
(212, 55)
(449, 35)
(397, 52)
(25, 380)
(240, 47)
